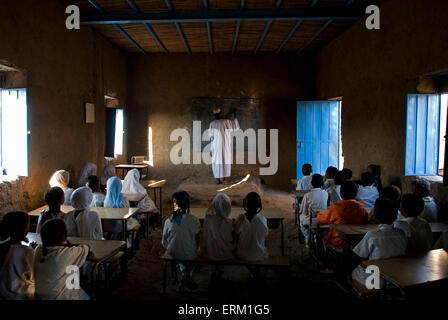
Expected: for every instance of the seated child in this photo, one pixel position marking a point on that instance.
(251, 230)
(98, 198)
(305, 182)
(421, 188)
(367, 192)
(376, 171)
(417, 230)
(61, 179)
(348, 210)
(108, 172)
(180, 236)
(334, 192)
(51, 261)
(382, 243)
(392, 193)
(317, 198)
(16, 260)
(54, 197)
(82, 222)
(330, 173)
(347, 173)
(217, 230)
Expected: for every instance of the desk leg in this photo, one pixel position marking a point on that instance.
(165, 266)
(283, 237)
(161, 206)
(125, 233)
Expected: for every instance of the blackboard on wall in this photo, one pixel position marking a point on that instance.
(247, 113)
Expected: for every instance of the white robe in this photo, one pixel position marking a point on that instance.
(67, 195)
(417, 231)
(217, 237)
(251, 237)
(86, 225)
(17, 276)
(51, 275)
(131, 185)
(317, 198)
(431, 211)
(180, 240)
(334, 194)
(98, 199)
(221, 146)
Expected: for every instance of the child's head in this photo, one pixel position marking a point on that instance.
(60, 178)
(411, 205)
(374, 169)
(317, 181)
(252, 203)
(307, 169)
(348, 190)
(420, 187)
(15, 225)
(181, 202)
(81, 198)
(93, 183)
(53, 233)
(385, 210)
(367, 179)
(221, 205)
(392, 193)
(348, 173)
(54, 197)
(339, 178)
(330, 172)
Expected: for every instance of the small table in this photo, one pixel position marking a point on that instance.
(412, 270)
(139, 166)
(102, 250)
(272, 214)
(349, 231)
(122, 214)
(156, 185)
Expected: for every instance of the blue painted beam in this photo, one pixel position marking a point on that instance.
(118, 28)
(294, 29)
(266, 28)
(309, 14)
(348, 3)
(237, 30)
(179, 29)
(148, 27)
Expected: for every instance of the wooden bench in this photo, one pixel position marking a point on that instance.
(270, 262)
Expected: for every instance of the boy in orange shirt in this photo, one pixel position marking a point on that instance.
(345, 211)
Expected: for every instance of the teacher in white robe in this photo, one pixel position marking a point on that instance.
(221, 144)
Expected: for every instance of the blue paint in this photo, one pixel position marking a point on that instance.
(318, 135)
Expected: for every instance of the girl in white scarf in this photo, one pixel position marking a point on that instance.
(131, 185)
(61, 179)
(88, 169)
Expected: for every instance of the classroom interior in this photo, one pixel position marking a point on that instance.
(154, 71)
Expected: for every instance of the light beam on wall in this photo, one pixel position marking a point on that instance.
(235, 184)
(150, 153)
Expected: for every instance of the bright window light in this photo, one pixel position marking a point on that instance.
(150, 154)
(443, 115)
(14, 132)
(118, 150)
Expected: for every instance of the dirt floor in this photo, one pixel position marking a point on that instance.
(144, 280)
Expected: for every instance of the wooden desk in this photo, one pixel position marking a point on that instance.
(354, 229)
(156, 185)
(102, 251)
(273, 214)
(122, 214)
(413, 270)
(139, 166)
(134, 197)
(437, 227)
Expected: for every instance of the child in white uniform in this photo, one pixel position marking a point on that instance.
(305, 182)
(180, 236)
(421, 188)
(54, 197)
(16, 260)
(51, 261)
(317, 198)
(98, 198)
(330, 173)
(382, 243)
(367, 192)
(417, 230)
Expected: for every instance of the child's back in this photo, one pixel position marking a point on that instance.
(431, 211)
(179, 238)
(251, 238)
(417, 231)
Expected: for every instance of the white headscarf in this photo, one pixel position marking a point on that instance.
(88, 169)
(82, 198)
(131, 183)
(221, 206)
(60, 178)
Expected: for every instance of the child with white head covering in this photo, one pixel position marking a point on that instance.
(60, 179)
(82, 222)
(131, 185)
(217, 231)
(88, 169)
